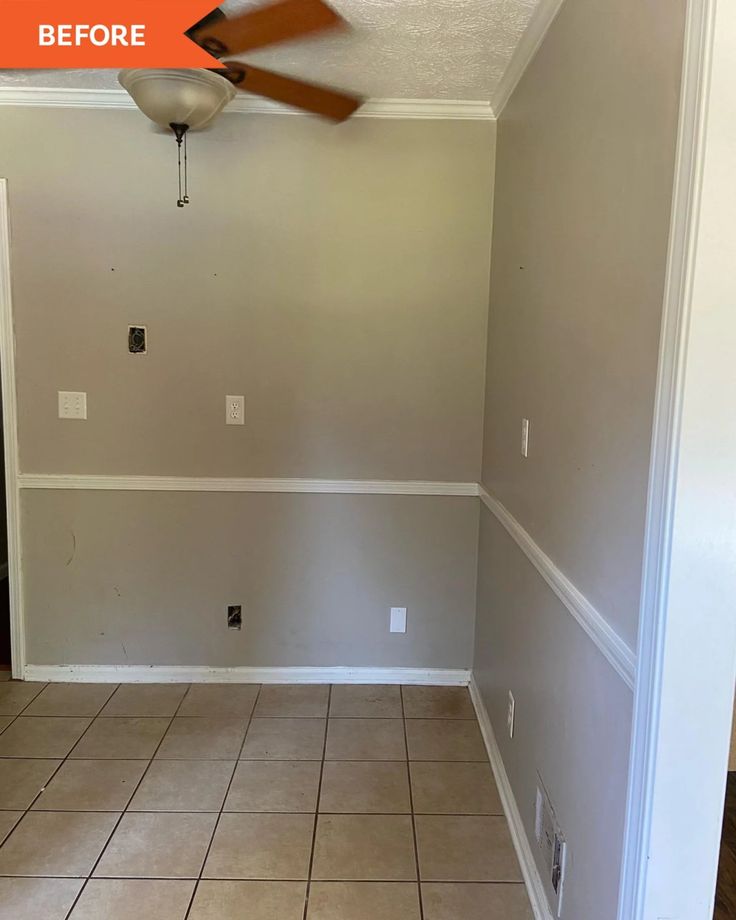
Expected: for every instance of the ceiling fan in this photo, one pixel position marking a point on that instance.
(184, 100)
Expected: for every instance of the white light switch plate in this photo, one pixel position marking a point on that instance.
(525, 437)
(72, 405)
(398, 619)
(511, 715)
(235, 410)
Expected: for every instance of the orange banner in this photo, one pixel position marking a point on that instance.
(83, 34)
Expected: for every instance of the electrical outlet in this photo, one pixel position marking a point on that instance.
(72, 405)
(234, 616)
(525, 437)
(511, 714)
(235, 410)
(398, 620)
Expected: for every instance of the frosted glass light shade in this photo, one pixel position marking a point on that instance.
(182, 97)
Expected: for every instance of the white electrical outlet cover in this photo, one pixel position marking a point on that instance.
(235, 410)
(398, 620)
(72, 405)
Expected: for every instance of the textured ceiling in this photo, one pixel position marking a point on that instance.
(400, 49)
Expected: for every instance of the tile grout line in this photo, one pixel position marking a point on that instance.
(411, 805)
(137, 786)
(127, 808)
(222, 806)
(62, 760)
(14, 718)
(308, 889)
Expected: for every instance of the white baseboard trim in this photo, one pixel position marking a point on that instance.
(532, 879)
(610, 644)
(233, 484)
(195, 674)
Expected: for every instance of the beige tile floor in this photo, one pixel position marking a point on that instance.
(241, 802)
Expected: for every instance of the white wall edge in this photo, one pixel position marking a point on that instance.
(616, 651)
(529, 871)
(58, 97)
(542, 18)
(10, 439)
(165, 674)
(207, 484)
(671, 378)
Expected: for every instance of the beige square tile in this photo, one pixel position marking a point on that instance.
(70, 700)
(121, 739)
(354, 788)
(285, 739)
(133, 899)
(183, 785)
(22, 780)
(91, 785)
(8, 820)
(293, 700)
(5, 721)
(276, 785)
(41, 737)
(261, 847)
(220, 700)
(364, 847)
(37, 898)
(365, 739)
(203, 739)
(157, 846)
(465, 849)
(16, 695)
(366, 701)
(437, 703)
(454, 789)
(444, 739)
(364, 901)
(56, 843)
(145, 700)
(475, 902)
(249, 901)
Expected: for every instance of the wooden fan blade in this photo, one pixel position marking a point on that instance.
(307, 96)
(267, 25)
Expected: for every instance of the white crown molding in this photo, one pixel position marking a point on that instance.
(208, 484)
(164, 674)
(529, 871)
(58, 97)
(541, 19)
(610, 644)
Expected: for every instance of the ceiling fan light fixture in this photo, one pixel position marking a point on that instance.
(183, 97)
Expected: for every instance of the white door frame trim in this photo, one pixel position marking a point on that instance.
(10, 439)
(656, 882)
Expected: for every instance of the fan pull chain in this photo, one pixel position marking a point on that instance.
(186, 182)
(180, 133)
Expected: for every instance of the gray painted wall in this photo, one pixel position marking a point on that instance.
(144, 578)
(573, 717)
(338, 278)
(583, 196)
(584, 177)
